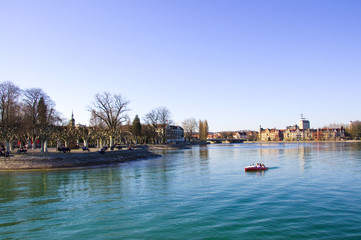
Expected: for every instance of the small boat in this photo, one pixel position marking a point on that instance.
(255, 168)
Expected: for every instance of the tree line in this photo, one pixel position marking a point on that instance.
(29, 117)
(26, 115)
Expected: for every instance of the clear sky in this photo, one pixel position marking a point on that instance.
(238, 64)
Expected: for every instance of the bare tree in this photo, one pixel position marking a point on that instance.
(151, 118)
(86, 134)
(164, 115)
(159, 118)
(31, 100)
(109, 110)
(47, 117)
(22, 133)
(57, 135)
(9, 108)
(39, 113)
(164, 118)
(190, 126)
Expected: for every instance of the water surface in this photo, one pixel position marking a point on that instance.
(311, 191)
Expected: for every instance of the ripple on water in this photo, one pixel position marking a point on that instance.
(309, 192)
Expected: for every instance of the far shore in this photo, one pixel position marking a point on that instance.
(313, 141)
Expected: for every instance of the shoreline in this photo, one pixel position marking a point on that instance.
(34, 160)
(52, 160)
(313, 141)
(169, 146)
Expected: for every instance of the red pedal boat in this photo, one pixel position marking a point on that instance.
(255, 168)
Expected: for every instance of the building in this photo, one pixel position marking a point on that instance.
(246, 135)
(240, 135)
(270, 134)
(326, 134)
(293, 127)
(297, 134)
(302, 132)
(72, 120)
(214, 135)
(174, 134)
(303, 123)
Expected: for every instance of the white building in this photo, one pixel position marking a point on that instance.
(303, 123)
(175, 134)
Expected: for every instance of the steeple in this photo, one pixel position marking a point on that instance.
(72, 120)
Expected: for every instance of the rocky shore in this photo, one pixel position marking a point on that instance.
(54, 160)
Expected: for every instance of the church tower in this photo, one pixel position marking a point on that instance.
(72, 120)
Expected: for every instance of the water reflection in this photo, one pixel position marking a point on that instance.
(182, 189)
(24, 185)
(256, 173)
(303, 157)
(174, 167)
(9, 187)
(203, 153)
(204, 161)
(303, 153)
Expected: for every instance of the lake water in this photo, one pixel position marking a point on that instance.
(311, 191)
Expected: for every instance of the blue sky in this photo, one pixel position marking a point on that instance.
(238, 64)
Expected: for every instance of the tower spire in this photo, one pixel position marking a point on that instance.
(72, 120)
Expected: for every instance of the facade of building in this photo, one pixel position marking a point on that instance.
(214, 135)
(325, 134)
(175, 134)
(303, 124)
(240, 135)
(246, 135)
(298, 134)
(270, 134)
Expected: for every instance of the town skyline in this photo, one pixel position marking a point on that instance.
(238, 64)
(72, 120)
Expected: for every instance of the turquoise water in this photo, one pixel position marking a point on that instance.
(311, 191)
